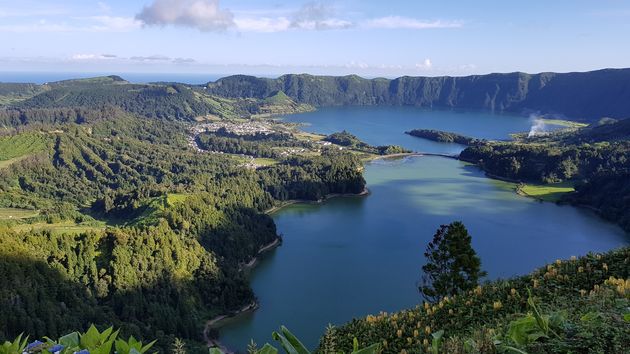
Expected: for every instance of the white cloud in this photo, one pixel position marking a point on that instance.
(425, 65)
(151, 58)
(318, 16)
(399, 22)
(205, 15)
(80, 57)
(328, 24)
(357, 65)
(263, 24)
(311, 16)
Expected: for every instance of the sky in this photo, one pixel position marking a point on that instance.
(370, 38)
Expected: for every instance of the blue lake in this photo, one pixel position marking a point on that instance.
(352, 256)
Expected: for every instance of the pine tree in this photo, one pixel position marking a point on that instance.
(452, 264)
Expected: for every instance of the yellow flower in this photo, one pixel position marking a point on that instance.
(558, 262)
(399, 333)
(598, 256)
(513, 292)
(426, 305)
(425, 342)
(403, 351)
(385, 343)
(427, 330)
(478, 290)
(573, 258)
(450, 311)
(416, 333)
(580, 269)
(535, 283)
(605, 267)
(497, 305)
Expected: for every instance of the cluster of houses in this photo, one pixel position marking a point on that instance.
(246, 128)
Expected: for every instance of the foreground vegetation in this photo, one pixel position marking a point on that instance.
(579, 305)
(107, 341)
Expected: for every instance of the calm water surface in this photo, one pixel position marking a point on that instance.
(350, 257)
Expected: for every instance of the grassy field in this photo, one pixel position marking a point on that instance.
(565, 123)
(5, 163)
(263, 161)
(17, 213)
(547, 192)
(16, 147)
(62, 227)
(302, 135)
(174, 198)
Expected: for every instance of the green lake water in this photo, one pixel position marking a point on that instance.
(353, 256)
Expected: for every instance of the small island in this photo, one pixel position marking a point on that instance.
(442, 136)
(350, 141)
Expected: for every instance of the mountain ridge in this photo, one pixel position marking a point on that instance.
(579, 95)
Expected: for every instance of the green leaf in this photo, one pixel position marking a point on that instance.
(122, 347)
(268, 349)
(286, 345)
(437, 341)
(70, 340)
(90, 339)
(372, 349)
(146, 347)
(215, 351)
(289, 342)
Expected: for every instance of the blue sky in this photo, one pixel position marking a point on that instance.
(270, 37)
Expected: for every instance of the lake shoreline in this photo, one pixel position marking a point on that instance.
(327, 197)
(215, 322)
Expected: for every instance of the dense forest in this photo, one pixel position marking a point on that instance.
(127, 224)
(587, 95)
(596, 157)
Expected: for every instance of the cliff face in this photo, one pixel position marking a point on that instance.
(587, 96)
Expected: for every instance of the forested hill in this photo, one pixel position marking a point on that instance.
(594, 158)
(580, 95)
(29, 103)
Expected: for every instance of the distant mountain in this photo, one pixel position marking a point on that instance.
(170, 101)
(579, 95)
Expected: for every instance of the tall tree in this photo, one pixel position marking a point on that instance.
(452, 264)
